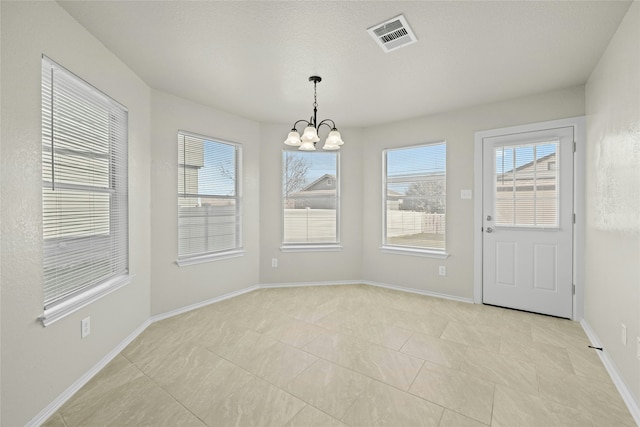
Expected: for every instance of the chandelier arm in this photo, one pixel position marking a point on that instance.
(300, 121)
(332, 126)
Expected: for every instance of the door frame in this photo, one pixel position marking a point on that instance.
(578, 124)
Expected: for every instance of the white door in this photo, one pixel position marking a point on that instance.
(528, 221)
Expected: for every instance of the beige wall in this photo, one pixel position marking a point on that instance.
(457, 128)
(38, 363)
(310, 266)
(612, 293)
(176, 287)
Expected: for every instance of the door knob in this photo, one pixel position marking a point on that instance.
(489, 218)
(489, 230)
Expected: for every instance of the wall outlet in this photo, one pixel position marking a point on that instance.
(274, 262)
(442, 270)
(85, 327)
(623, 334)
(466, 194)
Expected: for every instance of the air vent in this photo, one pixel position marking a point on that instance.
(393, 34)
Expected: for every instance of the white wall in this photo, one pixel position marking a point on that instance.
(295, 267)
(613, 198)
(38, 363)
(457, 128)
(175, 287)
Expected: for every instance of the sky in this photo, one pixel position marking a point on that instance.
(523, 155)
(212, 180)
(420, 160)
(321, 162)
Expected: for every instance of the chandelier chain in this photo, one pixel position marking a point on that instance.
(315, 95)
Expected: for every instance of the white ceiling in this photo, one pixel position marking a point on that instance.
(253, 59)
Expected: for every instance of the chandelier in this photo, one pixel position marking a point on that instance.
(307, 142)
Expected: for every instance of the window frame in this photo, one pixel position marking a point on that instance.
(238, 249)
(313, 246)
(406, 249)
(58, 300)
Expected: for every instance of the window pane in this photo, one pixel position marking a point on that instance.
(208, 204)
(310, 197)
(526, 185)
(415, 196)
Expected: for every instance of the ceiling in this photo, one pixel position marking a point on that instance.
(253, 59)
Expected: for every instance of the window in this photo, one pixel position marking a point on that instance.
(209, 217)
(310, 194)
(526, 178)
(415, 198)
(84, 193)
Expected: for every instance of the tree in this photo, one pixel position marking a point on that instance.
(425, 196)
(294, 174)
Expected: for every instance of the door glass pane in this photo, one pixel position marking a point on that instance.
(526, 178)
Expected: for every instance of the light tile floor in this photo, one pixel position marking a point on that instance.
(351, 356)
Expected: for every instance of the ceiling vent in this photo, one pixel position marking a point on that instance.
(393, 34)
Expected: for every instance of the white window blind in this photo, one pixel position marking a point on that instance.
(84, 194)
(415, 197)
(310, 194)
(209, 209)
(526, 190)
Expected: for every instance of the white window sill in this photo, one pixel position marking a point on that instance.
(210, 257)
(65, 308)
(414, 251)
(329, 247)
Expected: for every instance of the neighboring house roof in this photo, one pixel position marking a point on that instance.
(394, 194)
(312, 193)
(548, 157)
(322, 178)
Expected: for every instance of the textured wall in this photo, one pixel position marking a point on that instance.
(38, 363)
(612, 293)
(176, 287)
(457, 128)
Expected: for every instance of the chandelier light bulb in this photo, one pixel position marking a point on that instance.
(293, 139)
(307, 146)
(329, 146)
(310, 134)
(334, 138)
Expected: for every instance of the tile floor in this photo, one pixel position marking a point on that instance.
(351, 356)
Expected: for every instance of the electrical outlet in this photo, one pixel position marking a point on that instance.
(86, 327)
(442, 270)
(274, 262)
(623, 334)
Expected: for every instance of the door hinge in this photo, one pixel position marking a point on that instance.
(575, 146)
(574, 218)
(573, 288)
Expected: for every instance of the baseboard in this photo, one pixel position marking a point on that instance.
(80, 382)
(201, 304)
(418, 291)
(299, 284)
(627, 396)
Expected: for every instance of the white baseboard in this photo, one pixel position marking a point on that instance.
(299, 284)
(418, 291)
(201, 304)
(80, 382)
(627, 396)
